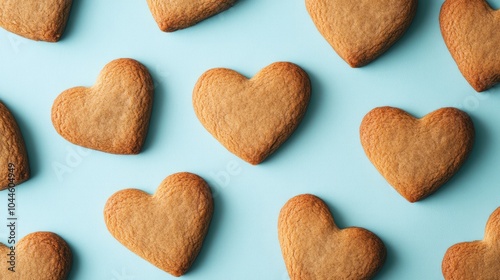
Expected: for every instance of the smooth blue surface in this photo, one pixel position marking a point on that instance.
(323, 157)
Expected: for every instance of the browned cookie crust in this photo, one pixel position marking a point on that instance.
(417, 156)
(43, 20)
(359, 31)
(111, 116)
(477, 260)
(168, 228)
(252, 117)
(40, 256)
(470, 31)
(172, 15)
(314, 248)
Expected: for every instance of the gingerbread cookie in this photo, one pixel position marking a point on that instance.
(167, 229)
(417, 156)
(470, 31)
(477, 260)
(14, 165)
(172, 15)
(313, 247)
(37, 20)
(39, 255)
(360, 31)
(111, 116)
(252, 117)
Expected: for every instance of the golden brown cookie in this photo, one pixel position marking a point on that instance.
(314, 248)
(417, 156)
(477, 260)
(14, 165)
(111, 116)
(252, 117)
(172, 15)
(166, 229)
(43, 20)
(470, 31)
(39, 255)
(359, 31)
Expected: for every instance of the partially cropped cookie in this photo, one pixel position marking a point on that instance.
(314, 248)
(14, 165)
(168, 228)
(172, 15)
(111, 116)
(477, 260)
(360, 31)
(252, 117)
(470, 31)
(417, 156)
(42, 20)
(39, 255)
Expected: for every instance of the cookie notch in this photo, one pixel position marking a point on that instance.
(417, 156)
(313, 247)
(252, 117)
(168, 228)
(478, 260)
(113, 115)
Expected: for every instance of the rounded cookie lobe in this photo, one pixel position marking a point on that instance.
(252, 117)
(360, 31)
(470, 31)
(39, 255)
(478, 260)
(168, 228)
(313, 247)
(417, 156)
(111, 116)
(172, 15)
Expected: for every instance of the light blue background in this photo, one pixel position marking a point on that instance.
(323, 156)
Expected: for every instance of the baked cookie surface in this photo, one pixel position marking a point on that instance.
(417, 156)
(314, 248)
(252, 117)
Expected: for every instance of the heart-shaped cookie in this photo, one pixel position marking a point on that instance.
(313, 247)
(477, 260)
(14, 165)
(417, 156)
(252, 117)
(359, 31)
(470, 31)
(172, 15)
(111, 116)
(37, 20)
(39, 255)
(166, 229)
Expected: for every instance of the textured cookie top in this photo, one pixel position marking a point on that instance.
(111, 116)
(315, 248)
(167, 229)
(172, 15)
(13, 155)
(359, 31)
(39, 255)
(478, 260)
(470, 31)
(37, 20)
(417, 156)
(252, 117)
